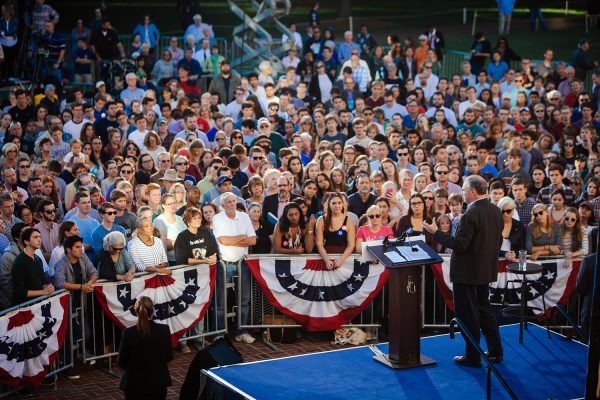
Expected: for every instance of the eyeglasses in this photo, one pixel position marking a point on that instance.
(568, 144)
(179, 164)
(570, 219)
(282, 186)
(402, 154)
(118, 248)
(164, 161)
(509, 211)
(428, 67)
(220, 138)
(428, 198)
(539, 213)
(53, 211)
(575, 183)
(416, 203)
(146, 161)
(236, 137)
(373, 216)
(110, 212)
(442, 172)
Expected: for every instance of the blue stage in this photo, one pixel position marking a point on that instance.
(540, 368)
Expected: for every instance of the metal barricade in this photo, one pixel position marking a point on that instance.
(262, 314)
(98, 337)
(65, 354)
(436, 315)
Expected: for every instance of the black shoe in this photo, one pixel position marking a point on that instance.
(462, 360)
(492, 358)
(25, 392)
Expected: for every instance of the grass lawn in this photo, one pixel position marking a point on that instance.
(383, 17)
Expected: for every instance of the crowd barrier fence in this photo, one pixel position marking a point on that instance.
(65, 359)
(99, 336)
(92, 336)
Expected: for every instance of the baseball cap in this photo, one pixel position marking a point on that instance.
(422, 37)
(223, 179)
(525, 109)
(100, 83)
(587, 204)
(264, 120)
(141, 73)
(506, 96)
(162, 120)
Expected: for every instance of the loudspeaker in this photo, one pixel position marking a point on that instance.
(220, 352)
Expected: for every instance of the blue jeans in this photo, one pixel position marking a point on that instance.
(227, 272)
(535, 13)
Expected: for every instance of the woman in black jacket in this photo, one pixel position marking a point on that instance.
(144, 353)
(513, 234)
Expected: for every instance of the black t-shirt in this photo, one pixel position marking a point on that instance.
(78, 277)
(128, 221)
(356, 205)
(199, 246)
(106, 43)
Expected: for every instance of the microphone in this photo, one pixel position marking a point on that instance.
(407, 235)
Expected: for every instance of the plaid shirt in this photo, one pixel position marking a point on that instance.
(596, 206)
(42, 14)
(546, 192)
(361, 77)
(524, 210)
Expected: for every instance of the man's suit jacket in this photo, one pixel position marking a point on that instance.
(145, 360)
(476, 244)
(270, 205)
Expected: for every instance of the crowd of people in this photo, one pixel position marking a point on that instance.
(352, 142)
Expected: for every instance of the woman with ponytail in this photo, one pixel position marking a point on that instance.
(144, 353)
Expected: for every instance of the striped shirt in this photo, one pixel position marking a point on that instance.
(145, 256)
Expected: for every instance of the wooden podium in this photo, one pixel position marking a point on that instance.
(404, 289)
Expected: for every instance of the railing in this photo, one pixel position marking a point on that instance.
(263, 315)
(488, 364)
(65, 359)
(572, 322)
(100, 337)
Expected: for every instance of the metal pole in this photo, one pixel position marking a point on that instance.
(474, 23)
(351, 23)
(586, 22)
(464, 15)
(566, 7)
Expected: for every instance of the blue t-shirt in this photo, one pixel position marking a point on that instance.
(100, 232)
(83, 69)
(86, 228)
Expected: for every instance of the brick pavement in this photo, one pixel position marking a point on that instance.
(98, 384)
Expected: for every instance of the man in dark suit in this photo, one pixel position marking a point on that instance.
(436, 41)
(275, 203)
(473, 265)
(585, 281)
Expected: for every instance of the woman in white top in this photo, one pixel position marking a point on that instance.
(169, 224)
(574, 239)
(147, 251)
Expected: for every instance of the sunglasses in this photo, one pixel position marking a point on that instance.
(50, 211)
(416, 203)
(539, 213)
(570, 219)
(179, 164)
(23, 166)
(428, 197)
(127, 171)
(442, 172)
(402, 154)
(258, 158)
(118, 248)
(110, 213)
(509, 211)
(373, 216)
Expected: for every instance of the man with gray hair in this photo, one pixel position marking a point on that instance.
(473, 265)
(235, 234)
(131, 92)
(345, 49)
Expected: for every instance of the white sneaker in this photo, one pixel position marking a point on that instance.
(245, 337)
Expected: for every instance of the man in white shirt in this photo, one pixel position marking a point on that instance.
(73, 127)
(470, 102)
(360, 134)
(139, 134)
(234, 233)
(296, 38)
(203, 52)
